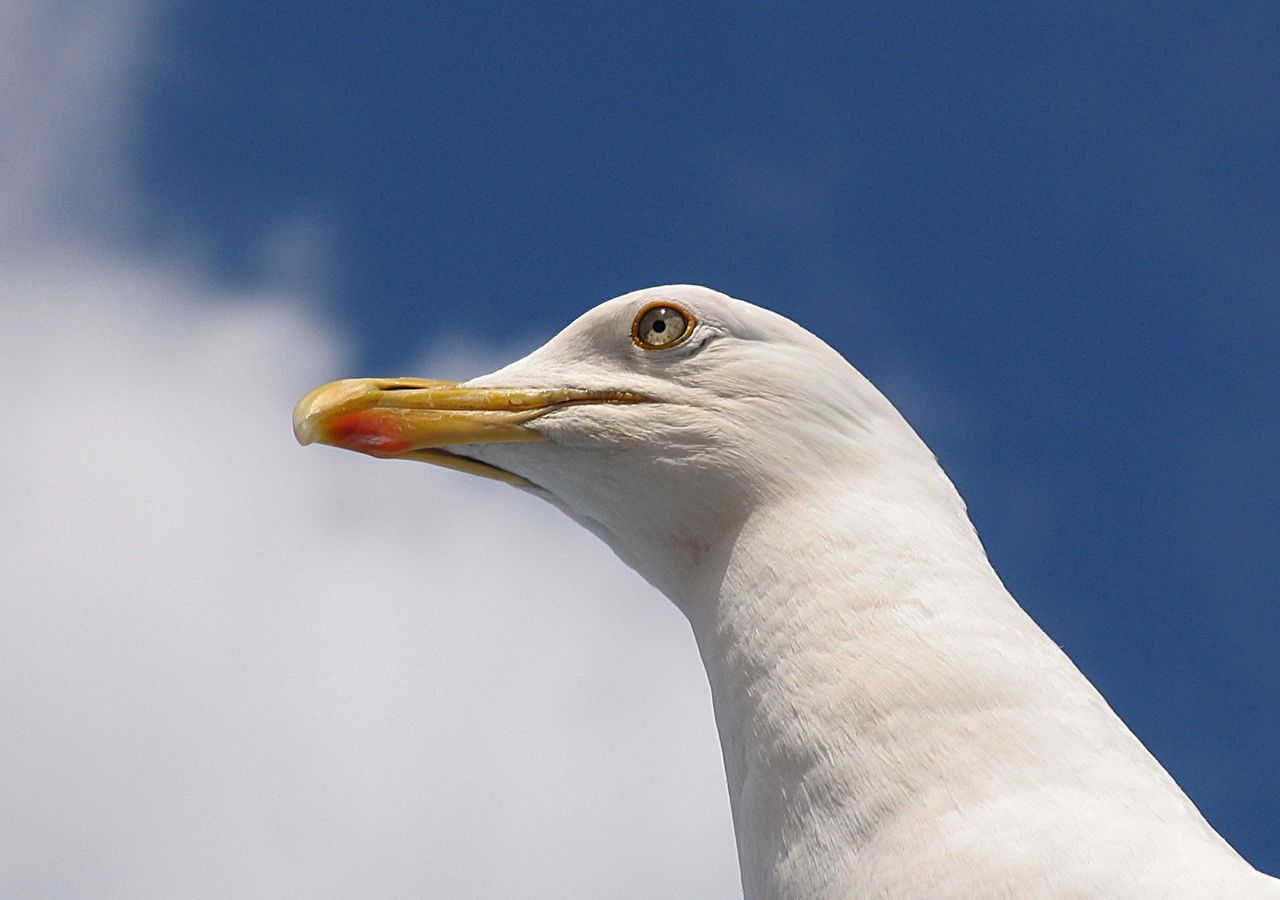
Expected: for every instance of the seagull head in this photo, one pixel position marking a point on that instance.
(659, 420)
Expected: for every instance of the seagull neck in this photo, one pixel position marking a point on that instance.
(871, 675)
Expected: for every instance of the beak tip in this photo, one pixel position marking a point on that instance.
(304, 422)
(319, 404)
(302, 434)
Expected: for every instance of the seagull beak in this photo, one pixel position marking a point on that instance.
(415, 418)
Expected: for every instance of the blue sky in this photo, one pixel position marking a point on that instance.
(1051, 236)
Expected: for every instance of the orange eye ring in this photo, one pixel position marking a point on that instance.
(661, 325)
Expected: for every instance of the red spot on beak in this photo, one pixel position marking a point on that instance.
(373, 431)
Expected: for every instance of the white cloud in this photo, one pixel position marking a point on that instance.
(65, 108)
(233, 667)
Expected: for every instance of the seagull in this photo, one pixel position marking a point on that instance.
(893, 723)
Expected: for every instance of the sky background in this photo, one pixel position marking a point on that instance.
(229, 666)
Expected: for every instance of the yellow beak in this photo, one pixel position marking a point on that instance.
(415, 418)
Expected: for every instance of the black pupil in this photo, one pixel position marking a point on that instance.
(660, 326)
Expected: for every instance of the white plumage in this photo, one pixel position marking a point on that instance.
(893, 724)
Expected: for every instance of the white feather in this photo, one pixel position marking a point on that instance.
(893, 724)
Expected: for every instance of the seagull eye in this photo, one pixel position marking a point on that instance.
(661, 325)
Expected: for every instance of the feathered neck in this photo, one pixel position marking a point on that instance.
(894, 724)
